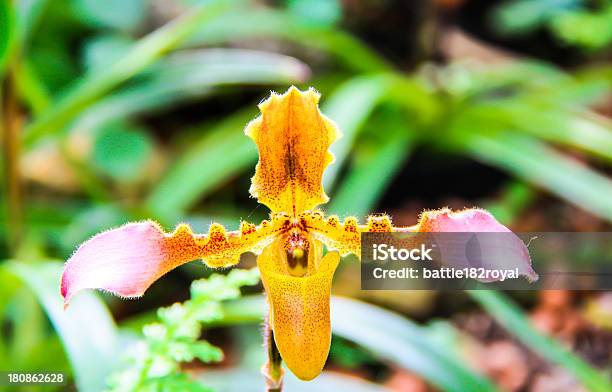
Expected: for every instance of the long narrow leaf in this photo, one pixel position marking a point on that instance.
(573, 128)
(350, 106)
(514, 199)
(86, 328)
(29, 13)
(353, 102)
(511, 317)
(585, 132)
(262, 23)
(390, 337)
(220, 154)
(406, 344)
(193, 74)
(531, 160)
(145, 52)
(31, 88)
(7, 32)
(369, 176)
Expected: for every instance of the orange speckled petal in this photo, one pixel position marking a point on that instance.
(299, 312)
(293, 140)
(127, 260)
(346, 237)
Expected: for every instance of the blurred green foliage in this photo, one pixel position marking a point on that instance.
(154, 365)
(121, 151)
(7, 27)
(87, 332)
(574, 22)
(131, 111)
(120, 15)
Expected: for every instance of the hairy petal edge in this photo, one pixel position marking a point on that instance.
(127, 260)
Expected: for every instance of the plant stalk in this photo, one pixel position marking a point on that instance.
(272, 370)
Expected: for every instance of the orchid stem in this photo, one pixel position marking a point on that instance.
(272, 370)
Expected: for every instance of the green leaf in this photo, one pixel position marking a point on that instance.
(86, 328)
(246, 310)
(524, 16)
(221, 153)
(250, 380)
(586, 29)
(353, 102)
(124, 15)
(396, 339)
(512, 318)
(175, 383)
(389, 337)
(122, 151)
(372, 170)
(514, 199)
(242, 277)
(7, 32)
(29, 13)
(94, 85)
(316, 12)
(222, 288)
(349, 107)
(175, 338)
(348, 355)
(206, 352)
(533, 161)
(31, 88)
(28, 325)
(104, 50)
(54, 64)
(249, 23)
(580, 130)
(228, 66)
(192, 74)
(575, 128)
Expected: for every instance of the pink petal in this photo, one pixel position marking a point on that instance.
(124, 261)
(505, 251)
(470, 220)
(127, 260)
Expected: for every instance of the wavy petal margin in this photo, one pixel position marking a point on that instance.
(293, 139)
(127, 260)
(503, 252)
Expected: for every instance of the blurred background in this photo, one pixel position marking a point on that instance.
(120, 110)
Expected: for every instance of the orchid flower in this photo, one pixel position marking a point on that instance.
(293, 138)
